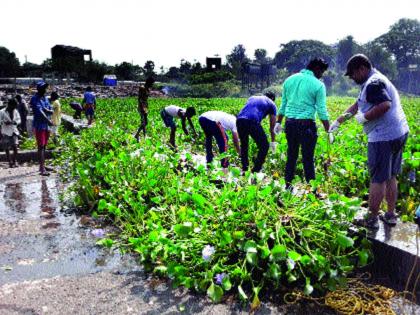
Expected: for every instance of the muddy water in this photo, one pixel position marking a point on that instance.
(42, 239)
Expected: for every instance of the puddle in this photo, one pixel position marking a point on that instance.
(44, 239)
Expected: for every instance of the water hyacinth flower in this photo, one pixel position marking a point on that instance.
(99, 233)
(412, 176)
(207, 252)
(219, 277)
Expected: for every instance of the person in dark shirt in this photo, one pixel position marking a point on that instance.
(144, 92)
(23, 110)
(248, 124)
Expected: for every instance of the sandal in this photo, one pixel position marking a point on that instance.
(371, 223)
(389, 218)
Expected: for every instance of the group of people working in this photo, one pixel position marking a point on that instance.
(378, 109)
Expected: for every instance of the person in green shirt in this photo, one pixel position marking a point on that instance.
(303, 96)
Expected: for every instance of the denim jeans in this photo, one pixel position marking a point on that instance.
(300, 133)
(246, 128)
(212, 129)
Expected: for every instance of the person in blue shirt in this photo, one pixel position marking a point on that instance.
(248, 124)
(89, 104)
(42, 111)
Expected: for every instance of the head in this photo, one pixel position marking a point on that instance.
(270, 95)
(149, 82)
(18, 98)
(318, 66)
(54, 96)
(41, 87)
(358, 68)
(190, 112)
(88, 89)
(11, 104)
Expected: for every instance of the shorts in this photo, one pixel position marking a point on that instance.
(385, 159)
(167, 119)
(142, 109)
(9, 141)
(89, 111)
(42, 137)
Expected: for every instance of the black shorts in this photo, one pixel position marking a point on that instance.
(385, 158)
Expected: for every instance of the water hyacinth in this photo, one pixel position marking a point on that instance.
(219, 277)
(207, 252)
(412, 176)
(99, 233)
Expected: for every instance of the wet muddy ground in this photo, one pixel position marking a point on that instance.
(49, 263)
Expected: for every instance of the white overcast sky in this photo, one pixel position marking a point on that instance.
(167, 31)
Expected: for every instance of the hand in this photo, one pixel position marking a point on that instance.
(334, 126)
(277, 128)
(360, 117)
(273, 146)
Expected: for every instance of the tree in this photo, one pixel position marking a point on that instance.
(9, 64)
(346, 48)
(128, 71)
(260, 55)
(381, 59)
(185, 67)
(236, 59)
(403, 41)
(296, 54)
(149, 66)
(94, 71)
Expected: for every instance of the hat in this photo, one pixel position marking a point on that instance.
(41, 85)
(356, 62)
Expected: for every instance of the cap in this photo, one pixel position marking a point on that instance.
(41, 84)
(356, 61)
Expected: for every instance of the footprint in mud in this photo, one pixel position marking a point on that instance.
(51, 225)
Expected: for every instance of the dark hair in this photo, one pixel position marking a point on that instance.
(18, 97)
(270, 95)
(149, 81)
(317, 63)
(89, 89)
(190, 111)
(54, 95)
(12, 101)
(357, 61)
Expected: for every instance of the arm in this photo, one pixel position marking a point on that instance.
(16, 118)
(350, 112)
(236, 142)
(184, 127)
(272, 124)
(378, 111)
(321, 107)
(192, 126)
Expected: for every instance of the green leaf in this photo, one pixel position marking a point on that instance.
(238, 235)
(215, 292)
(363, 258)
(344, 241)
(308, 289)
(226, 284)
(275, 271)
(294, 255)
(242, 293)
(105, 242)
(226, 238)
(305, 259)
(199, 200)
(102, 204)
(278, 252)
(183, 229)
(252, 258)
(250, 247)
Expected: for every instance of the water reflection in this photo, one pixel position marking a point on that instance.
(14, 198)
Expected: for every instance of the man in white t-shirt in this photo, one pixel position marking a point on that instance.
(215, 124)
(172, 111)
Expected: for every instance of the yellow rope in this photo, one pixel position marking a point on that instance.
(357, 298)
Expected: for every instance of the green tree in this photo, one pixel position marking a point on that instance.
(346, 48)
(381, 59)
(403, 41)
(128, 71)
(260, 55)
(236, 59)
(9, 64)
(296, 54)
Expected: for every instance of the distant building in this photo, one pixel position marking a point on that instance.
(68, 59)
(213, 63)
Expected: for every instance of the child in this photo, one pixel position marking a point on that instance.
(172, 111)
(89, 104)
(56, 116)
(9, 120)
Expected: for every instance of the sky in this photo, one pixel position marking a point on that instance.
(167, 31)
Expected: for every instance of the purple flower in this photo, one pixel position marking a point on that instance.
(412, 176)
(99, 233)
(219, 278)
(207, 252)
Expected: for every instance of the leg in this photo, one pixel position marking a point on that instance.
(260, 138)
(14, 155)
(144, 123)
(222, 144)
(172, 137)
(308, 142)
(8, 156)
(292, 152)
(243, 132)
(391, 193)
(376, 195)
(205, 125)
